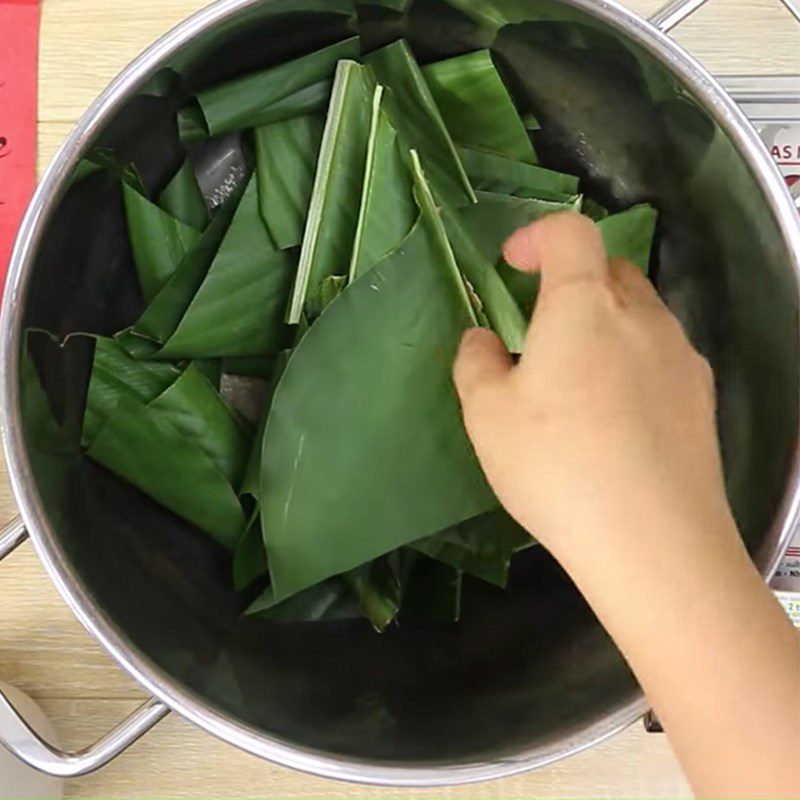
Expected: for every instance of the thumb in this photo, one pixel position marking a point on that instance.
(565, 248)
(482, 360)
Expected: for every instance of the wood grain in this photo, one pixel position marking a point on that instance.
(46, 652)
(177, 761)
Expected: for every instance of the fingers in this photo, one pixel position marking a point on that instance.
(631, 285)
(482, 361)
(564, 247)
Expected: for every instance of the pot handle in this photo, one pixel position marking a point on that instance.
(674, 12)
(21, 740)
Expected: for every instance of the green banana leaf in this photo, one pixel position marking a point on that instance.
(153, 411)
(162, 315)
(183, 199)
(496, 216)
(482, 546)
(198, 412)
(191, 123)
(496, 301)
(250, 101)
(159, 241)
(249, 557)
(388, 210)
(186, 398)
(415, 116)
(379, 590)
(476, 106)
(493, 173)
(630, 234)
(116, 374)
(400, 325)
(141, 446)
(333, 211)
(239, 308)
(251, 482)
(286, 159)
(329, 600)
(479, 232)
(211, 368)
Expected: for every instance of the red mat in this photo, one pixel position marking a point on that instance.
(19, 49)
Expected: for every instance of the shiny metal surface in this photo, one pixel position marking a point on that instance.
(674, 12)
(23, 741)
(527, 678)
(12, 536)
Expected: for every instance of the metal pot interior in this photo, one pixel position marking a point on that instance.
(524, 669)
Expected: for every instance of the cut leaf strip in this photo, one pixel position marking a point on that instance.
(333, 212)
(286, 154)
(415, 116)
(251, 101)
(476, 106)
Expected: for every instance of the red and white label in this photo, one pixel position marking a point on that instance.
(783, 141)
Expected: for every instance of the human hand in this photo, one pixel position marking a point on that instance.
(609, 416)
(602, 442)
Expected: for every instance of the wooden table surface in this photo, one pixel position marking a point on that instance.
(46, 652)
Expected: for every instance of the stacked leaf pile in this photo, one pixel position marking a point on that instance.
(344, 268)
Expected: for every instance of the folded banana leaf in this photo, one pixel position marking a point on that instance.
(159, 241)
(482, 546)
(239, 308)
(496, 216)
(333, 212)
(485, 226)
(388, 210)
(476, 106)
(286, 159)
(184, 396)
(199, 413)
(166, 309)
(415, 116)
(116, 374)
(496, 301)
(378, 587)
(630, 234)
(400, 325)
(181, 445)
(182, 198)
(140, 446)
(296, 87)
(489, 172)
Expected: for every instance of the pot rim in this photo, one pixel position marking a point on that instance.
(730, 118)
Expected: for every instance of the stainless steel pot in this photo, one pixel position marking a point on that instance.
(523, 680)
